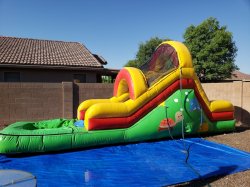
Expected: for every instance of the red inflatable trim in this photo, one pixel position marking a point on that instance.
(125, 122)
(124, 75)
(213, 116)
(217, 116)
(81, 114)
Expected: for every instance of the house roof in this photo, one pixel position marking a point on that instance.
(35, 52)
(237, 75)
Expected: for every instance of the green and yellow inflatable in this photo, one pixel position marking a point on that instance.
(161, 99)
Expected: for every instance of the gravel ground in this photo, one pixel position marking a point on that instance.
(239, 139)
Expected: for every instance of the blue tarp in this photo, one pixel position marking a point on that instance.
(143, 164)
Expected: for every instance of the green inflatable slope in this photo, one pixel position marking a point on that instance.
(179, 111)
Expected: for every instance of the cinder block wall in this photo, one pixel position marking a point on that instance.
(40, 101)
(94, 91)
(84, 91)
(29, 101)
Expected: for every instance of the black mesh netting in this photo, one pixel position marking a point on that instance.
(163, 61)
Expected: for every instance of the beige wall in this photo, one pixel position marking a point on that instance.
(226, 91)
(237, 92)
(246, 102)
(38, 101)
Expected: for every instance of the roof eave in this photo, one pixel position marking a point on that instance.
(50, 67)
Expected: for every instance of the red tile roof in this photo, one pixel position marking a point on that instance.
(24, 51)
(237, 75)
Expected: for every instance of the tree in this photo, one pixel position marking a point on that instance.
(132, 63)
(145, 52)
(213, 50)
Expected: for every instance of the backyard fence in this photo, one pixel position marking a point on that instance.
(40, 101)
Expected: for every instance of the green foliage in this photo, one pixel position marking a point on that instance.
(213, 50)
(106, 79)
(131, 63)
(145, 52)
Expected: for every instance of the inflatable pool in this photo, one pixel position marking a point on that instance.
(163, 98)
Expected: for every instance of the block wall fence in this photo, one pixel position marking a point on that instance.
(41, 101)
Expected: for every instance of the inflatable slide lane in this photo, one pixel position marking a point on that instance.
(163, 98)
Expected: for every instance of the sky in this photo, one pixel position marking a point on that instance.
(115, 28)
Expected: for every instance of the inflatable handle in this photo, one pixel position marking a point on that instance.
(130, 80)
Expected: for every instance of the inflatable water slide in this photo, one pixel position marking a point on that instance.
(164, 98)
